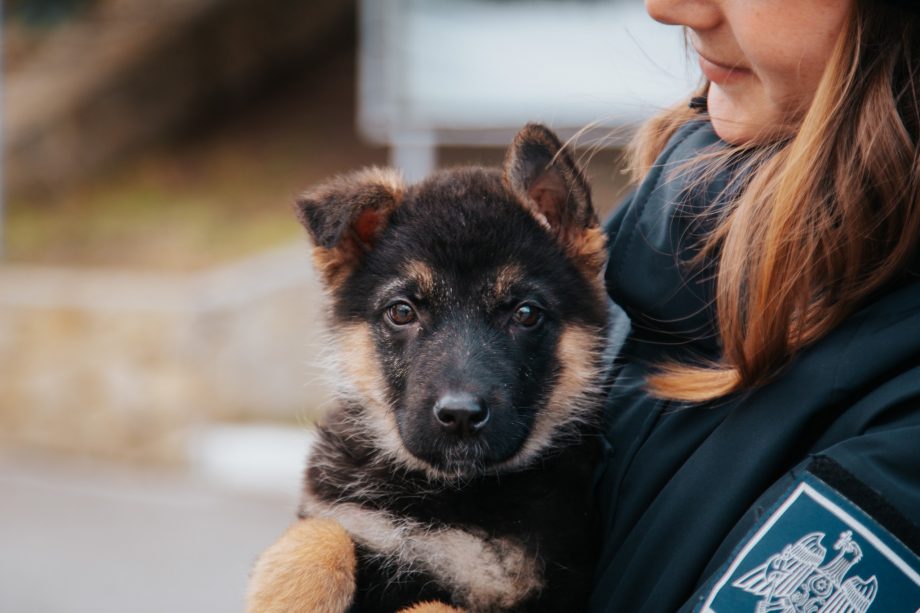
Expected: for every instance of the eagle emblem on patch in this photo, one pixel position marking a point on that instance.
(816, 551)
(796, 580)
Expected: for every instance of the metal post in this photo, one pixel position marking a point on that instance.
(2, 145)
(415, 154)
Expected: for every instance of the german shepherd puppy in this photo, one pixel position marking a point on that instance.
(470, 317)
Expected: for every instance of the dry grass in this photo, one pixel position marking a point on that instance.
(153, 216)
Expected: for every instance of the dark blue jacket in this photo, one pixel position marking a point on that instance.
(804, 493)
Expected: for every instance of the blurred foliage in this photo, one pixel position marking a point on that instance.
(222, 191)
(44, 13)
(219, 185)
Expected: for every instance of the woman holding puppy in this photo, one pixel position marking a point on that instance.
(764, 422)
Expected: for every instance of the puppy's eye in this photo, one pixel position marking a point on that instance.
(527, 316)
(400, 313)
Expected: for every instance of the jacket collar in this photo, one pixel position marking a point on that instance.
(653, 237)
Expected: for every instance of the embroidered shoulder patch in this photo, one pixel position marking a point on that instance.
(817, 552)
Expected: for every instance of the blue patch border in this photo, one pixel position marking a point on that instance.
(835, 503)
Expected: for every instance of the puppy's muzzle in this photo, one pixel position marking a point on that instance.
(461, 413)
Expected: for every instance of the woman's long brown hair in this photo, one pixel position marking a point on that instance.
(830, 216)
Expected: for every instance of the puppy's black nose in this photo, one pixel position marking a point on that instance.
(461, 413)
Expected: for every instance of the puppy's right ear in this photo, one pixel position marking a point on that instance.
(345, 216)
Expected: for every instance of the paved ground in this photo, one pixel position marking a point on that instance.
(78, 536)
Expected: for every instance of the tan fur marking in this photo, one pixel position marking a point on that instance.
(487, 574)
(578, 355)
(506, 277)
(589, 248)
(362, 367)
(422, 274)
(310, 569)
(365, 383)
(389, 178)
(431, 607)
(497, 572)
(335, 264)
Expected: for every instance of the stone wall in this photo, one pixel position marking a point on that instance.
(122, 364)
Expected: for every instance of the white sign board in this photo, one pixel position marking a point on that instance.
(473, 71)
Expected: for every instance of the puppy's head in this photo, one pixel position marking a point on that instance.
(469, 308)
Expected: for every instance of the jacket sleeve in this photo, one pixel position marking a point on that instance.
(838, 533)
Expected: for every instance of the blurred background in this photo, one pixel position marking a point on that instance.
(161, 348)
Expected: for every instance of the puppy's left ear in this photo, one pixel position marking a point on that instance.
(541, 172)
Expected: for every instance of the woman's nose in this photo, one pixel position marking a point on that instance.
(695, 14)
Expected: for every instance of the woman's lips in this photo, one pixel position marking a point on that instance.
(721, 73)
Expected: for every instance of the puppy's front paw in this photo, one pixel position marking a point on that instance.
(431, 607)
(311, 568)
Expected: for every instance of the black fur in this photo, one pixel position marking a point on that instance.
(480, 269)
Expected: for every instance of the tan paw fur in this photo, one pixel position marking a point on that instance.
(431, 607)
(311, 568)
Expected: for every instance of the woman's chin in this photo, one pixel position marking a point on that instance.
(740, 115)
